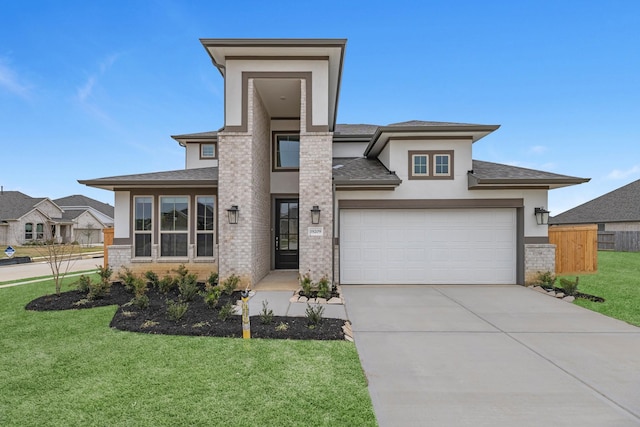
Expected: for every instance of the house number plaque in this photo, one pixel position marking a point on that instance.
(316, 231)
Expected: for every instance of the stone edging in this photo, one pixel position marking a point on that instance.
(558, 295)
(296, 298)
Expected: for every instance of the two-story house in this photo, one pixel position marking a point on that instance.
(282, 186)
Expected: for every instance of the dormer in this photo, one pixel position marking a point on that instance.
(201, 149)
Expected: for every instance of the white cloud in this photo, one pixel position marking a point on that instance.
(538, 149)
(10, 81)
(622, 174)
(85, 91)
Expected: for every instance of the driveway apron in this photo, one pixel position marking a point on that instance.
(492, 356)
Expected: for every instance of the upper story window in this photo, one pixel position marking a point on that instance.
(286, 151)
(207, 151)
(142, 226)
(431, 164)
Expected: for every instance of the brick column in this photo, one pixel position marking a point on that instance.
(538, 258)
(315, 189)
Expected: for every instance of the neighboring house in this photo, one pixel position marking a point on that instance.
(89, 217)
(25, 219)
(617, 215)
(282, 186)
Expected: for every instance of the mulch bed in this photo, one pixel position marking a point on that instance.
(577, 294)
(199, 319)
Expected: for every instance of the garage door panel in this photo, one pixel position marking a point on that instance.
(424, 246)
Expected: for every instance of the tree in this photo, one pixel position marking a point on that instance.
(59, 255)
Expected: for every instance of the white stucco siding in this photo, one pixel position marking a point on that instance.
(193, 160)
(349, 149)
(121, 220)
(384, 157)
(233, 85)
(440, 190)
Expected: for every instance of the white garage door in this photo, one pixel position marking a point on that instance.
(428, 246)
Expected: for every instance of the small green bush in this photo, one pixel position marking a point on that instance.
(104, 272)
(569, 287)
(546, 278)
(127, 278)
(188, 286)
(266, 314)
(225, 311)
(211, 295)
(176, 310)
(84, 283)
(230, 283)
(152, 277)
(181, 271)
(212, 280)
(98, 290)
(324, 290)
(281, 327)
(314, 315)
(141, 301)
(166, 284)
(306, 284)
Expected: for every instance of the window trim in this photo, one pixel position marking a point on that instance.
(145, 232)
(215, 151)
(435, 164)
(431, 163)
(274, 151)
(195, 223)
(180, 232)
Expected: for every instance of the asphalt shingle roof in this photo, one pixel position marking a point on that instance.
(620, 205)
(199, 176)
(78, 200)
(14, 204)
(497, 171)
(362, 171)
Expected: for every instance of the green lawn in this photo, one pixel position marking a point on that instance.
(69, 368)
(618, 282)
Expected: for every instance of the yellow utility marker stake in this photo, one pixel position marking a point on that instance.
(246, 324)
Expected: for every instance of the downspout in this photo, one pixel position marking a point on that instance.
(333, 231)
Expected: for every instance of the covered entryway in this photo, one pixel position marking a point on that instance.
(428, 246)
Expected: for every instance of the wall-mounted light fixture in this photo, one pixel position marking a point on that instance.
(542, 216)
(315, 215)
(233, 214)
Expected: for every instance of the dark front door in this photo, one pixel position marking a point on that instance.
(286, 234)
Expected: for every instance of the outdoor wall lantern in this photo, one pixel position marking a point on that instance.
(315, 215)
(542, 216)
(233, 214)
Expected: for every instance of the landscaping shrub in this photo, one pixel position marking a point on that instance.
(140, 298)
(127, 278)
(153, 278)
(98, 290)
(569, 287)
(314, 315)
(176, 310)
(212, 280)
(166, 284)
(230, 283)
(546, 279)
(306, 284)
(188, 287)
(324, 290)
(225, 311)
(211, 295)
(83, 284)
(266, 314)
(104, 272)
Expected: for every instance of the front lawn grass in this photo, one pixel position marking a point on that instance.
(69, 368)
(618, 282)
(39, 251)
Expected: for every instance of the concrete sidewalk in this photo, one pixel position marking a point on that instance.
(279, 302)
(492, 356)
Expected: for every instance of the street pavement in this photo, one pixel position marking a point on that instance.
(41, 268)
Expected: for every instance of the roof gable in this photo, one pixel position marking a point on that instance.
(80, 201)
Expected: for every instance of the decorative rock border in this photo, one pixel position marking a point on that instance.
(558, 295)
(296, 298)
(348, 332)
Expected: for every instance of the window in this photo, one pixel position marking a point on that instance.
(205, 225)
(40, 231)
(286, 154)
(28, 231)
(420, 164)
(142, 226)
(441, 165)
(207, 151)
(431, 164)
(174, 225)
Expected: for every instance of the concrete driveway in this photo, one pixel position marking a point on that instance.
(492, 356)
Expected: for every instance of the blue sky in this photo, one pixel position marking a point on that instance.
(90, 89)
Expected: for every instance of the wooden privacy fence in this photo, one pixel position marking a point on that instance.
(108, 241)
(621, 241)
(576, 248)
